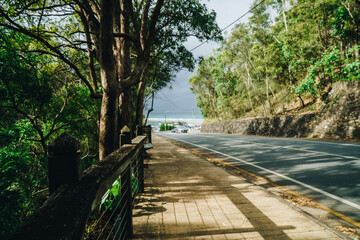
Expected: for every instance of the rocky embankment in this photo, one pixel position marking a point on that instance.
(339, 118)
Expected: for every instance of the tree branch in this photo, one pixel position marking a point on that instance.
(49, 7)
(89, 13)
(18, 28)
(32, 120)
(155, 16)
(132, 15)
(41, 16)
(91, 54)
(26, 7)
(57, 117)
(128, 37)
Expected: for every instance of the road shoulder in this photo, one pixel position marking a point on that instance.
(188, 198)
(306, 206)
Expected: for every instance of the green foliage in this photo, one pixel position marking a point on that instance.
(310, 45)
(180, 19)
(45, 75)
(327, 66)
(331, 67)
(351, 68)
(181, 123)
(113, 197)
(111, 200)
(23, 182)
(134, 185)
(308, 85)
(166, 127)
(351, 71)
(39, 99)
(203, 84)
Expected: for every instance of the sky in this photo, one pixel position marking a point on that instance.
(179, 99)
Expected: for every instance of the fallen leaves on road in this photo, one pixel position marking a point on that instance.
(347, 230)
(299, 200)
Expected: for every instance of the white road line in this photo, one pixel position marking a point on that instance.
(308, 140)
(347, 202)
(300, 149)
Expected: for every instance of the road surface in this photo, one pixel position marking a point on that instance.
(328, 172)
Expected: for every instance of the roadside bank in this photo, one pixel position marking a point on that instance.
(338, 119)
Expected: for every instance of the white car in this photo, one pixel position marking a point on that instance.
(180, 130)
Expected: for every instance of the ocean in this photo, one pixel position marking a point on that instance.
(158, 118)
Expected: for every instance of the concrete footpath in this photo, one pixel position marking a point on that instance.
(187, 197)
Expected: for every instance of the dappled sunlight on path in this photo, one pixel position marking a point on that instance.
(187, 197)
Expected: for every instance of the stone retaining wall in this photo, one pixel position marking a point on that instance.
(285, 126)
(338, 119)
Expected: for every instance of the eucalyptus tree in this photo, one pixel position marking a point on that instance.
(301, 52)
(107, 32)
(238, 52)
(150, 24)
(323, 41)
(259, 24)
(203, 84)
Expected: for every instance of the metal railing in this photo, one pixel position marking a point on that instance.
(77, 210)
(115, 221)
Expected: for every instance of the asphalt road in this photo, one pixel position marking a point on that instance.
(328, 172)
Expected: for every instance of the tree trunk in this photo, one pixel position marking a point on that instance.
(267, 93)
(302, 104)
(284, 16)
(90, 50)
(151, 108)
(108, 115)
(126, 108)
(140, 98)
(267, 83)
(248, 83)
(124, 66)
(118, 61)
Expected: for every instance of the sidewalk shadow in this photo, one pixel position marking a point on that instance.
(147, 205)
(183, 188)
(261, 224)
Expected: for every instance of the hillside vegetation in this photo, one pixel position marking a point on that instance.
(284, 65)
(85, 67)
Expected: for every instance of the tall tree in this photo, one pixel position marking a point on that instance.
(177, 21)
(108, 31)
(203, 84)
(308, 46)
(40, 98)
